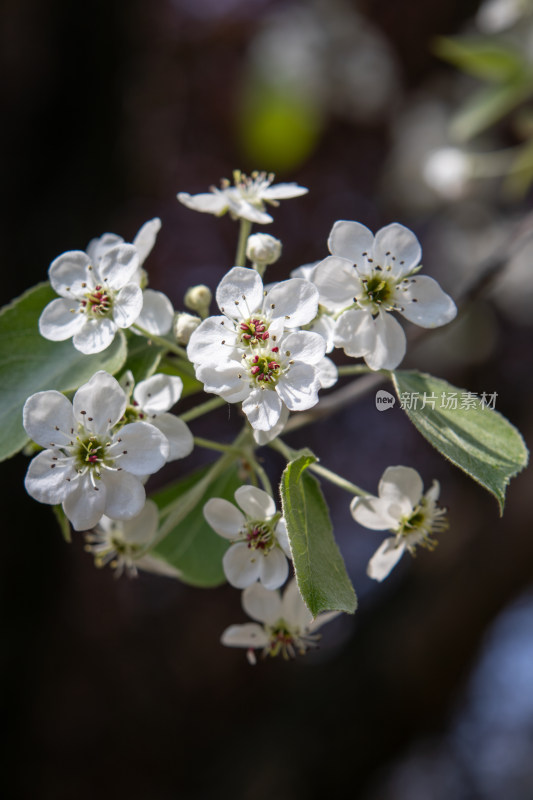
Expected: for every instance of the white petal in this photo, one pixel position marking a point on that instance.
(355, 332)
(399, 484)
(424, 303)
(263, 605)
(241, 565)
(60, 320)
(225, 382)
(283, 537)
(337, 282)
(433, 492)
(350, 240)
(157, 313)
(46, 479)
(48, 419)
(94, 336)
(180, 439)
(295, 612)
(143, 449)
(248, 635)
(119, 265)
(145, 238)
(389, 346)
(384, 559)
(299, 388)
(242, 286)
(398, 247)
(97, 248)
(373, 512)
(263, 437)
(208, 203)
(304, 346)
(256, 503)
(325, 326)
(321, 620)
(68, 272)
(125, 495)
(242, 208)
(99, 403)
(127, 305)
(211, 341)
(142, 528)
(157, 566)
(224, 517)
(328, 374)
(283, 191)
(85, 505)
(263, 409)
(295, 300)
(274, 569)
(158, 393)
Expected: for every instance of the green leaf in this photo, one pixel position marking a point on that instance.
(171, 366)
(475, 438)
(320, 572)
(481, 57)
(192, 546)
(143, 357)
(29, 363)
(487, 107)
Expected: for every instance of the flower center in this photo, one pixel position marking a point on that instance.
(259, 536)
(132, 414)
(98, 302)
(264, 369)
(377, 292)
(425, 521)
(90, 454)
(254, 331)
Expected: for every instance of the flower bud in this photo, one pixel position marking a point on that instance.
(198, 298)
(262, 248)
(184, 326)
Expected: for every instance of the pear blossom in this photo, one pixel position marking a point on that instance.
(246, 199)
(367, 277)
(122, 543)
(87, 465)
(260, 544)
(263, 249)
(150, 400)
(287, 626)
(403, 508)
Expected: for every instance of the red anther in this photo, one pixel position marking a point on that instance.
(275, 349)
(244, 326)
(264, 336)
(256, 359)
(255, 370)
(92, 458)
(246, 336)
(273, 365)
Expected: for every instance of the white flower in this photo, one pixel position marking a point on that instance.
(287, 625)
(261, 248)
(260, 543)
(123, 542)
(85, 466)
(252, 316)
(365, 278)
(246, 199)
(95, 299)
(151, 399)
(402, 508)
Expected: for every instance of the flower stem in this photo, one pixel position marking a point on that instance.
(353, 369)
(210, 445)
(331, 476)
(263, 477)
(244, 232)
(162, 342)
(202, 409)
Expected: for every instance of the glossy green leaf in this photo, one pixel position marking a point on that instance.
(320, 571)
(29, 363)
(472, 436)
(192, 546)
(143, 357)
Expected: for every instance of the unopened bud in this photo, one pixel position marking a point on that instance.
(198, 298)
(184, 327)
(262, 248)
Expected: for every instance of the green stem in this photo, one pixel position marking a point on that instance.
(331, 476)
(210, 445)
(263, 477)
(354, 369)
(162, 342)
(202, 409)
(244, 232)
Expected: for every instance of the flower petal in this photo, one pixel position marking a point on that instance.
(145, 238)
(60, 320)
(304, 346)
(140, 448)
(94, 336)
(69, 274)
(125, 495)
(180, 439)
(425, 303)
(142, 528)
(48, 419)
(158, 393)
(240, 293)
(99, 403)
(401, 484)
(207, 203)
(48, 480)
(97, 248)
(256, 503)
(294, 610)
(373, 512)
(337, 282)
(384, 559)
(283, 537)
(241, 565)
(274, 569)
(350, 240)
(355, 332)
(328, 374)
(248, 635)
(283, 191)
(85, 505)
(225, 382)
(295, 300)
(298, 389)
(211, 341)
(263, 408)
(263, 605)
(396, 246)
(157, 313)
(389, 346)
(224, 517)
(119, 265)
(127, 305)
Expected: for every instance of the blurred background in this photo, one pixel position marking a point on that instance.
(119, 688)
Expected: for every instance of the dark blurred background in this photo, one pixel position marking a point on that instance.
(117, 688)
